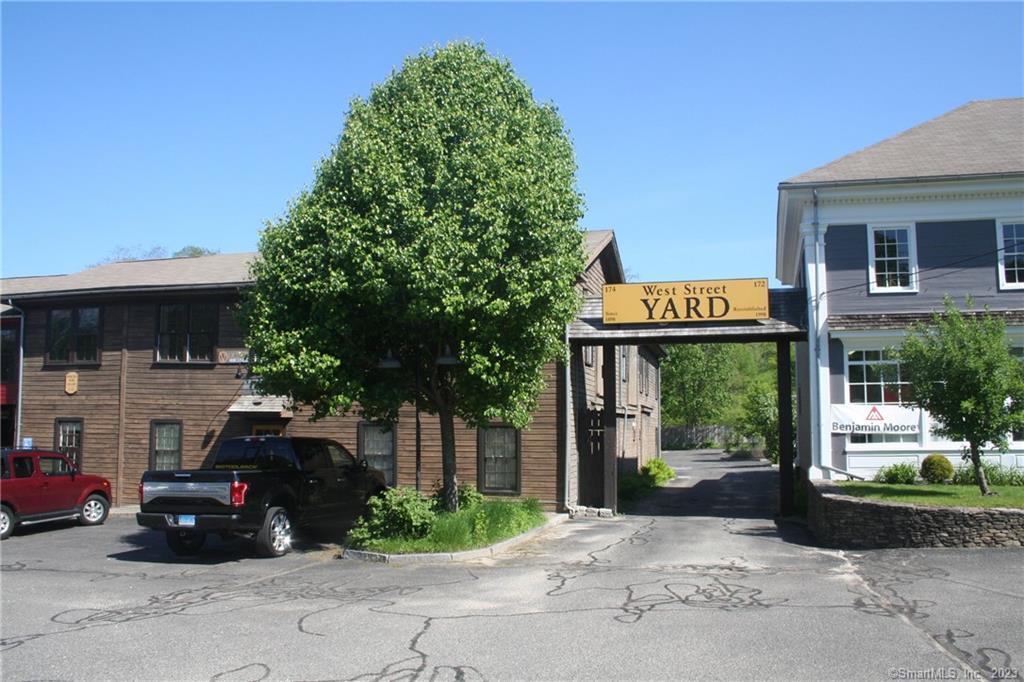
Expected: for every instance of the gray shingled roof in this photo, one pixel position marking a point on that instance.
(216, 271)
(981, 138)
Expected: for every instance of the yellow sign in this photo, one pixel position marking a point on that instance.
(700, 301)
(71, 383)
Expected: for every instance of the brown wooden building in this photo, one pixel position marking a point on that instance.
(138, 365)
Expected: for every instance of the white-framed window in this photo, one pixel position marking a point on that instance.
(377, 446)
(873, 377)
(892, 259)
(1010, 240)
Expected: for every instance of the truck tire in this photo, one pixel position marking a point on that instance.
(7, 521)
(185, 542)
(275, 536)
(93, 511)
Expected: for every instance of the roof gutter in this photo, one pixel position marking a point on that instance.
(39, 295)
(899, 180)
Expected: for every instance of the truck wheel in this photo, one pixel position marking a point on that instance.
(275, 536)
(7, 521)
(94, 511)
(185, 542)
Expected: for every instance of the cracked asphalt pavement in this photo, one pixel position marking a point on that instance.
(700, 581)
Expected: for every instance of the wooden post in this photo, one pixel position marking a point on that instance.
(785, 385)
(610, 470)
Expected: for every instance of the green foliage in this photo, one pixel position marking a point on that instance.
(760, 419)
(444, 221)
(654, 474)
(962, 372)
(474, 526)
(469, 496)
(995, 474)
(694, 383)
(398, 512)
(935, 469)
(902, 473)
(659, 471)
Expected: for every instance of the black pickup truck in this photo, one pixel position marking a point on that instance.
(258, 487)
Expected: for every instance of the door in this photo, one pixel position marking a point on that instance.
(24, 487)
(320, 494)
(353, 481)
(58, 488)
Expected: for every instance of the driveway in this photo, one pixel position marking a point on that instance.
(698, 583)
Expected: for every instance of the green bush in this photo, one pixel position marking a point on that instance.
(469, 496)
(659, 471)
(397, 513)
(996, 474)
(903, 473)
(935, 469)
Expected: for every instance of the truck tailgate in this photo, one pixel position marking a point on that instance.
(193, 492)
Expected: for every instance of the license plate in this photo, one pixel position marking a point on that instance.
(186, 519)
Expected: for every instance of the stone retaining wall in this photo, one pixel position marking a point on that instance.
(847, 522)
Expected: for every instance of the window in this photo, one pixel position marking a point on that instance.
(624, 369)
(312, 454)
(377, 447)
(73, 336)
(165, 445)
(892, 259)
(340, 457)
(22, 467)
(588, 356)
(67, 439)
(187, 332)
(874, 378)
(498, 459)
(267, 430)
(8, 355)
(54, 466)
(1010, 239)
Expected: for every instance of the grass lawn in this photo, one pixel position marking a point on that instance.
(478, 526)
(937, 495)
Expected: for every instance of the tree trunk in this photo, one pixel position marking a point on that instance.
(979, 471)
(450, 486)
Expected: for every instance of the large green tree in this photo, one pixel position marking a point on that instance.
(962, 372)
(695, 383)
(443, 225)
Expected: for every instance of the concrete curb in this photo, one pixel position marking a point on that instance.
(378, 557)
(124, 510)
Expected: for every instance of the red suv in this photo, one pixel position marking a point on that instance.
(38, 485)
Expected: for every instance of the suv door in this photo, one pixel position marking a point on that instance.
(60, 492)
(24, 488)
(319, 495)
(352, 480)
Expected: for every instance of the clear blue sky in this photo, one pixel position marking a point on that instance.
(170, 124)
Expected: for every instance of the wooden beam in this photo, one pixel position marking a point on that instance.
(610, 469)
(785, 385)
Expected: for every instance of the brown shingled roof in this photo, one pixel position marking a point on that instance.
(981, 138)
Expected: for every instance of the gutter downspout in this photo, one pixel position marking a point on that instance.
(21, 371)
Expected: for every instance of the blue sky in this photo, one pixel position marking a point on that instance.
(133, 124)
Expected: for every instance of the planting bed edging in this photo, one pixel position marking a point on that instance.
(848, 522)
(379, 557)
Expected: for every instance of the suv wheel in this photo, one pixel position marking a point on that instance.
(94, 510)
(7, 521)
(185, 542)
(275, 536)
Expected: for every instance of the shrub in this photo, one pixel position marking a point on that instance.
(936, 469)
(902, 473)
(996, 474)
(398, 513)
(659, 471)
(469, 496)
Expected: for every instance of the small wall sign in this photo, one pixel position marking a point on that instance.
(71, 383)
(232, 356)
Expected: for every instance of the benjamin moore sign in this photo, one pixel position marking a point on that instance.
(875, 419)
(699, 301)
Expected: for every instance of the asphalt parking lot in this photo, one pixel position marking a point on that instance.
(700, 582)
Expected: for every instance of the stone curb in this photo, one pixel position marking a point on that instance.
(378, 557)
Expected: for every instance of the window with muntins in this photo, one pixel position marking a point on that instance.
(498, 459)
(67, 439)
(187, 332)
(892, 259)
(166, 439)
(1011, 260)
(8, 355)
(377, 447)
(874, 378)
(73, 336)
